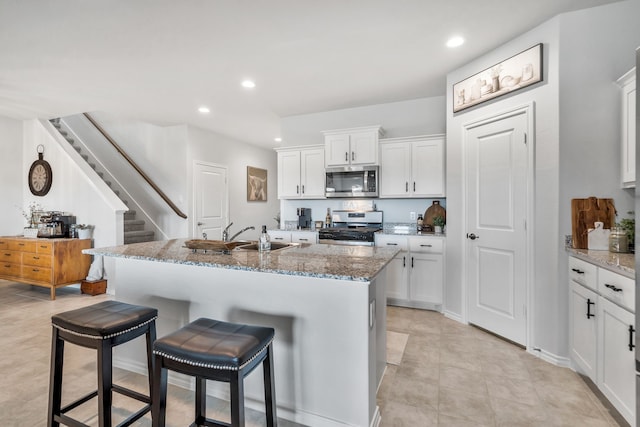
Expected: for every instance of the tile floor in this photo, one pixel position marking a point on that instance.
(449, 374)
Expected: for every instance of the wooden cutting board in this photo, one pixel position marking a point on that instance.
(433, 211)
(586, 212)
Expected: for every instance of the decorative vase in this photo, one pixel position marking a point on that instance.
(85, 233)
(437, 229)
(30, 232)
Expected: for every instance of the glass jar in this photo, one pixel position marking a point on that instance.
(618, 241)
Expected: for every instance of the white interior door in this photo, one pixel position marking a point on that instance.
(496, 201)
(211, 200)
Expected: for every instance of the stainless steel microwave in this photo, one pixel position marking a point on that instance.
(352, 182)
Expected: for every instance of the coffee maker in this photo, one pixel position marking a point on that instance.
(304, 218)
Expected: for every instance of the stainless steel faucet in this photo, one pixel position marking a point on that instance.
(241, 231)
(225, 232)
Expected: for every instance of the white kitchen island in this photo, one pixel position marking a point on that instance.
(326, 303)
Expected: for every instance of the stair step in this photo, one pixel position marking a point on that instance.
(138, 236)
(92, 166)
(85, 157)
(133, 225)
(129, 215)
(63, 132)
(116, 192)
(108, 183)
(77, 148)
(70, 140)
(101, 174)
(56, 125)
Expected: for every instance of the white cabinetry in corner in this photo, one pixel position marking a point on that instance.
(352, 147)
(301, 172)
(412, 166)
(602, 335)
(628, 132)
(299, 236)
(417, 272)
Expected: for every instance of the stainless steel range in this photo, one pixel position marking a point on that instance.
(355, 228)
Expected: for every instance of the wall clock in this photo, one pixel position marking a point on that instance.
(40, 175)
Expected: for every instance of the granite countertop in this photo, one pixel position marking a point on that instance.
(353, 263)
(624, 264)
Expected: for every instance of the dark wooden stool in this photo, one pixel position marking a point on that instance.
(214, 350)
(100, 326)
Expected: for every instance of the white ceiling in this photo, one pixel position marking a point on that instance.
(159, 60)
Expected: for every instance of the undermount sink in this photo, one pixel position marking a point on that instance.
(275, 246)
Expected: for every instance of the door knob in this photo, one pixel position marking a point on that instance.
(200, 223)
(472, 236)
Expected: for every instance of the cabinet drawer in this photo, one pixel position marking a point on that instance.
(22, 245)
(426, 245)
(280, 236)
(304, 237)
(38, 274)
(4, 244)
(44, 247)
(36, 260)
(10, 269)
(584, 273)
(11, 256)
(399, 242)
(617, 288)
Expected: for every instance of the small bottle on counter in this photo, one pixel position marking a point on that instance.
(618, 241)
(264, 243)
(327, 220)
(420, 223)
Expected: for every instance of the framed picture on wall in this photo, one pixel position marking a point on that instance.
(256, 184)
(512, 74)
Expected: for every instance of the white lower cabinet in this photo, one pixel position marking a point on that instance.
(616, 374)
(601, 334)
(417, 272)
(582, 324)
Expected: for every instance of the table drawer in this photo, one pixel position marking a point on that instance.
(426, 245)
(36, 260)
(39, 274)
(584, 273)
(10, 269)
(618, 289)
(22, 245)
(4, 244)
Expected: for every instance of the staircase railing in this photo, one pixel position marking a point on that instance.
(136, 167)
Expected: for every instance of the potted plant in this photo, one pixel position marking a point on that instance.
(438, 223)
(629, 227)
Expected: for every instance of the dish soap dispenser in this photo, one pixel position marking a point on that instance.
(264, 243)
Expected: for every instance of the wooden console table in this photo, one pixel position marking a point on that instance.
(51, 263)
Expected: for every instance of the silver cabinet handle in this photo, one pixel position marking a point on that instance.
(353, 155)
(302, 188)
(346, 156)
(304, 240)
(200, 223)
(392, 244)
(426, 246)
(613, 288)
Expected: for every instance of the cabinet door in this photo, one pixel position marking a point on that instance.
(397, 283)
(583, 329)
(364, 148)
(312, 173)
(428, 168)
(616, 360)
(426, 278)
(337, 151)
(629, 133)
(395, 169)
(289, 174)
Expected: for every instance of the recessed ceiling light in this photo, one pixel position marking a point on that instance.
(455, 41)
(249, 84)
(278, 139)
(204, 110)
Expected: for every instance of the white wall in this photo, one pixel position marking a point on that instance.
(576, 147)
(422, 116)
(12, 176)
(236, 156)
(71, 190)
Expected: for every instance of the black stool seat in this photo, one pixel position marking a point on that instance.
(100, 326)
(105, 319)
(214, 350)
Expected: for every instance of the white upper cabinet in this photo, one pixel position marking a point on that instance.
(352, 147)
(412, 167)
(301, 172)
(628, 132)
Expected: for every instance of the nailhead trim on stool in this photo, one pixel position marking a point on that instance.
(100, 326)
(220, 351)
